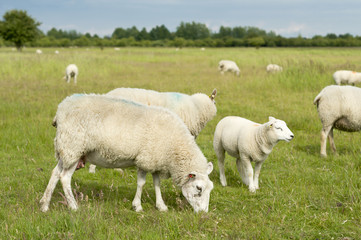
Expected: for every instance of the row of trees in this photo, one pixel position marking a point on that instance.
(19, 29)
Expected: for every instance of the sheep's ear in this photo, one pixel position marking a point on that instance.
(209, 168)
(213, 95)
(271, 119)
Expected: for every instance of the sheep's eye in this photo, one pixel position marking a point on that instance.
(199, 188)
(279, 128)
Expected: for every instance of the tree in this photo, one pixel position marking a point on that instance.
(159, 33)
(19, 28)
(192, 31)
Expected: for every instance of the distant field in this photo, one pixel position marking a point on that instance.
(301, 196)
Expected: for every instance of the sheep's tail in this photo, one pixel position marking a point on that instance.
(317, 98)
(54, 122)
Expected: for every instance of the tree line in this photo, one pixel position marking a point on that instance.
(187, 34)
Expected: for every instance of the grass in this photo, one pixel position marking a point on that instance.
(301, 196)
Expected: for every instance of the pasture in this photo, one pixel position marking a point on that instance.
(301, 195)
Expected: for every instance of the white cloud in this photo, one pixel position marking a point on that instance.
(292, 29)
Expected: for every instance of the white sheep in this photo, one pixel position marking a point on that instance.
(339, 107)
(38, 51)
(228, 66)
(272, 68)
(118, 133)
(247, 141)
(71, 71)
(346, 77)
(195, 110)
(56, 52)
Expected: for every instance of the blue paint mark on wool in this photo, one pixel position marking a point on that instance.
(176, 96)
(78, 95)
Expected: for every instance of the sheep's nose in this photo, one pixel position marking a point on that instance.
(291, 136)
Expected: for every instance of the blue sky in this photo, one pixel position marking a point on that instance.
(288, 18)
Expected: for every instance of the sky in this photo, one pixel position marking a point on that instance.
(288, 18)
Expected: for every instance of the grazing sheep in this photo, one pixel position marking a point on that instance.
(118, 133)
(247, 141)
(195, 110)
(338, 107)
(71, 71)
(56, 52)
(346, 77)
(228, 66)
(38, 51)
(272, 68)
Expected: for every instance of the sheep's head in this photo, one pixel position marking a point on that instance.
(197, 189)
(280, 131)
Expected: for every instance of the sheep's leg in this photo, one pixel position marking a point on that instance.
(332, 143)
(65, 178)
(245, 169)
(75, 79)
(55, 176)
(220, 155)
(137, 205)
(324, 134)
(92, 168)
(257, 170)
(158, 195)
(67, 78)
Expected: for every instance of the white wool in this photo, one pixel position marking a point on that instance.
(247, 141)
(346, 77)
(118, 133)
(195, 110)
(338, 107)
(71, 71)
(271, 68)
(228, 66)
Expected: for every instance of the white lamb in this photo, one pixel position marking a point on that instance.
(228, 66)
(247, 141)
(117, 133)
(195, 110)
(346, 77)
(71, 71)
(338, 107)
(272, 68)
(38, 51)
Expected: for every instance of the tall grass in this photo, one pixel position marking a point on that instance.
(301, 196)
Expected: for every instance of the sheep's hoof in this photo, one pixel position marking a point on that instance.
(44, 208)
(138, 208)
(162, 208)
(252, 189)
(323, 155)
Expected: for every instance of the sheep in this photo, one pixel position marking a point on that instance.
(195, 110)
(272, 68)
(338, 107)
(71, 71)
(56, 52)
(118, 133)
(247, 141)
(346, 77)
(38, 51)
(228, 66)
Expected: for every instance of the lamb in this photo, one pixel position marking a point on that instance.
(118, 133)
(338, 107)
(247, 141)
(195, 110)
(71, 71)
(228, 66)
(272, 68)
(38, 51)
(346, 77)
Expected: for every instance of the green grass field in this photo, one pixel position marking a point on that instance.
(301, 195)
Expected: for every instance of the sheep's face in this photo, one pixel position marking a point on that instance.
(197, 190)
(279, 129)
